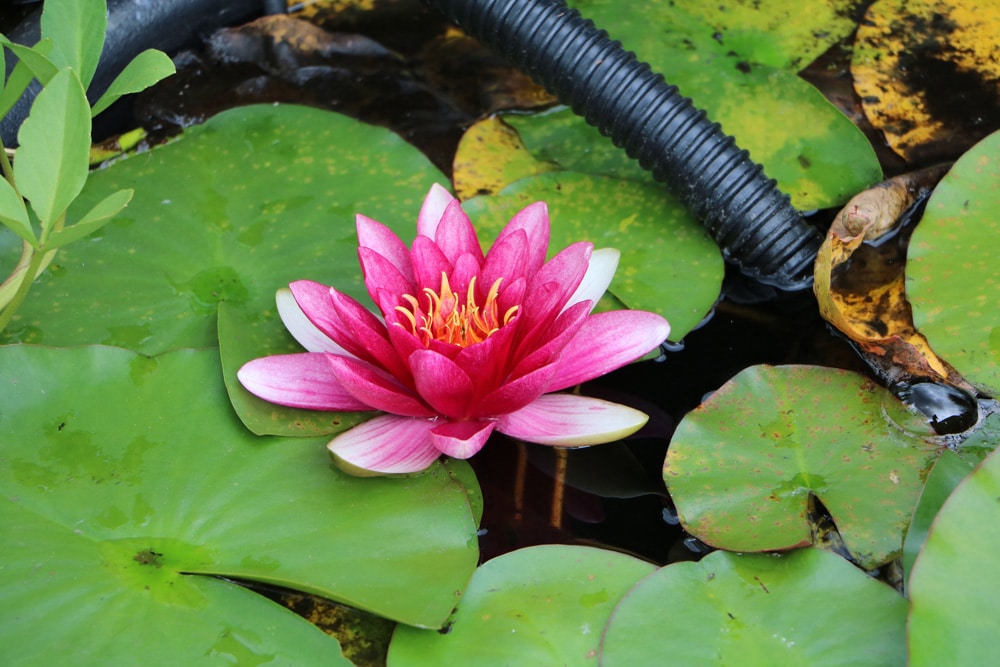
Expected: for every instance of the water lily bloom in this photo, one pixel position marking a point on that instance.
(466, 343)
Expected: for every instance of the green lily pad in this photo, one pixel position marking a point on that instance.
(738, 61)
(669, 265)
(951, 269)
(544, 605)
(236, 208)
(953, 587)
(127, 484)
(743, 466)
(807, 607)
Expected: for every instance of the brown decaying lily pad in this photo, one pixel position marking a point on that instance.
(928, 75)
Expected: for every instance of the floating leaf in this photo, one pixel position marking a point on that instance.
(953, 589)
(231, 212)
(743, 466)
(668, 264)
(808, 607)
(738, 62)
(542, 605)
(127, 485)
(951, 270)
(490, 157)
(927, 74)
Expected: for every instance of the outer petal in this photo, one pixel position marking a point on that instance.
(442, 383)
(386, 444)
(298, 381)
(568, 420)
(382, 240)
(456, 236)
(600, 271)
(435, 203)
(376, 388)
(607, 341)
(305, 332)
(460, 440)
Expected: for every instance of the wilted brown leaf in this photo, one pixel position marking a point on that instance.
(860, 286)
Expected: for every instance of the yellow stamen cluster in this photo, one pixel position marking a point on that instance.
(448, 320)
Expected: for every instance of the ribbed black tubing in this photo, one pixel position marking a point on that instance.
(753, 222)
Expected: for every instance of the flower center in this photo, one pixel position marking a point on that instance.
(448, 319)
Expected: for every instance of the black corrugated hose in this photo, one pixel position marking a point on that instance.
(753, 222)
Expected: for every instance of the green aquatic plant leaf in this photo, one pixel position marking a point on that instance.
(53, 157)
(951, 268)
(14, 213)
(807, 607)
(142, 72)
(77, 31)
(229, 213)
(669, 265)
(952, 588)
(744, 467)
(128, 487)
(738, 61)
(100, 215)
(543, 605)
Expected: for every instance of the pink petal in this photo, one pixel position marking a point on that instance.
(460, 440)
(364, 335)
(567, 269)
(562, 331)
(507, 259)
(428, 265)
(487, 363)
(441, 383)
(305, 332)
(298, 381)
(435, 203)
(600, 271)
(376, 387)
(456, 236)
(607, 341)
(568, 420)
(516, 394)
(386, 444)
(533, 221)
(382, 240)
(380, 274)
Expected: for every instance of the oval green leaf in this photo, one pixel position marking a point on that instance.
(53, 157)
(77, 32)
(542, 605)
(136, 465)
(14, 214)
(951, 268)
(668, 265)
(807, 607)
(142, 72)
(953, 588)
(744, 466)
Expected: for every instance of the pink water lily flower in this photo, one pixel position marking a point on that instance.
(467, 344)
